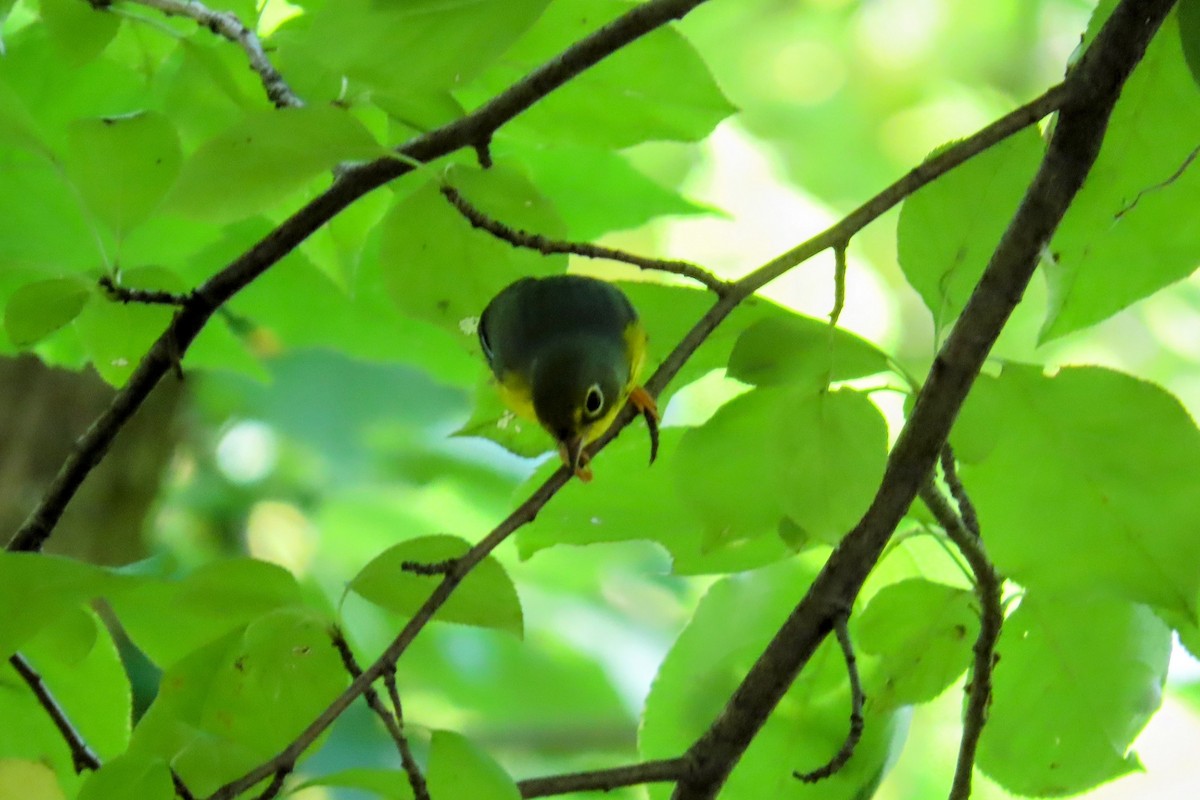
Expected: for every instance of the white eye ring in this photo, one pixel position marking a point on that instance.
(593, 401)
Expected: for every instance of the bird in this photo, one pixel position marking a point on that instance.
(566, 352)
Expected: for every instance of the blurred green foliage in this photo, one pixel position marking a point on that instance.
(340, 422)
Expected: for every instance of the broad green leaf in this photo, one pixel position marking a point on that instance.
(922, 633)
(79, 665)
(388, 784)
(80, 30)
(441, 270)
(796, 349)
(948, 229)
(129, 776)
(627, 501)
(37, 590)
(656, 88)
(29, 780)
(812, 456)
(486, 597)
(123, 165)
(17, 125)
(735, 620)
(264, 158)
(1122, 240)
(1077, 679)
(458, 768)
(597, 190)
(117, 335)
(1106, 468)
(416, 48)
(1189, 35)
(237, 701)
(219, 597)
(36, 310)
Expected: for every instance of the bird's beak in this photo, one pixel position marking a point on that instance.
(571, 450)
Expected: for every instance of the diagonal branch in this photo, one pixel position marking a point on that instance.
(1091, 89)
(82, 757)
(226, 24)
(533, 241)
(603, 780)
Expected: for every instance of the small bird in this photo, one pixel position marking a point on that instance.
(566, 352)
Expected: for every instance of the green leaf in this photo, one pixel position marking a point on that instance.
(596, 190)
(1121, 239)
(486, 598)
(117, 335)
(129, 776)
(656, 88)
(1078, 678)
(78, 662)
(264, 158)
(1105, 467)
(441, 270)
(948, 229)
(413, 48)
(491, 419)
(815, 457)
(458, 768)
(239, 700)
(27, 779)
(922, 633)
(36, 310)
(797, 349)
(36, 590)
(734, 621)
(1189, 35)
(80, 30)
(219, 597)
(123, 165)
(389, 784)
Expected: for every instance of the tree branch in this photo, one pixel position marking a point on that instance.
(226, 24)
(82, 757)
(124, 294)
(1091, 90)
(988, 587)
(354, 182)
(533, 241)
(392, 721)
(856, 710)
(603, 780)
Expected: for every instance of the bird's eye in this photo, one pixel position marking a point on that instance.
(593, 401)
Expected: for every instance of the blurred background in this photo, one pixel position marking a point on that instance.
(320, 461)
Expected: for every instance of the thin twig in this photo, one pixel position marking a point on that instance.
(226, 24)
(82, 757)
(145, 296)
(534, 241)
(966, 509)
(276, 784)
(989, 586)
(839, 283)
(1174, 176)
(603, 780)
(392, 721)
(421, 568)
(856, 710)
(415, 779)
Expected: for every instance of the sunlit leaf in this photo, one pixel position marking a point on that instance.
(37, 309)
(30, 780)
(804, 350)
(486, 597)
(1105, 467)
(80, 30)
(264, 158)
(1077, 679)
(129, 776)
(922, 632)
(459, 768)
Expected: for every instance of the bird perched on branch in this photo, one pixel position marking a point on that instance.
(566, 352)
